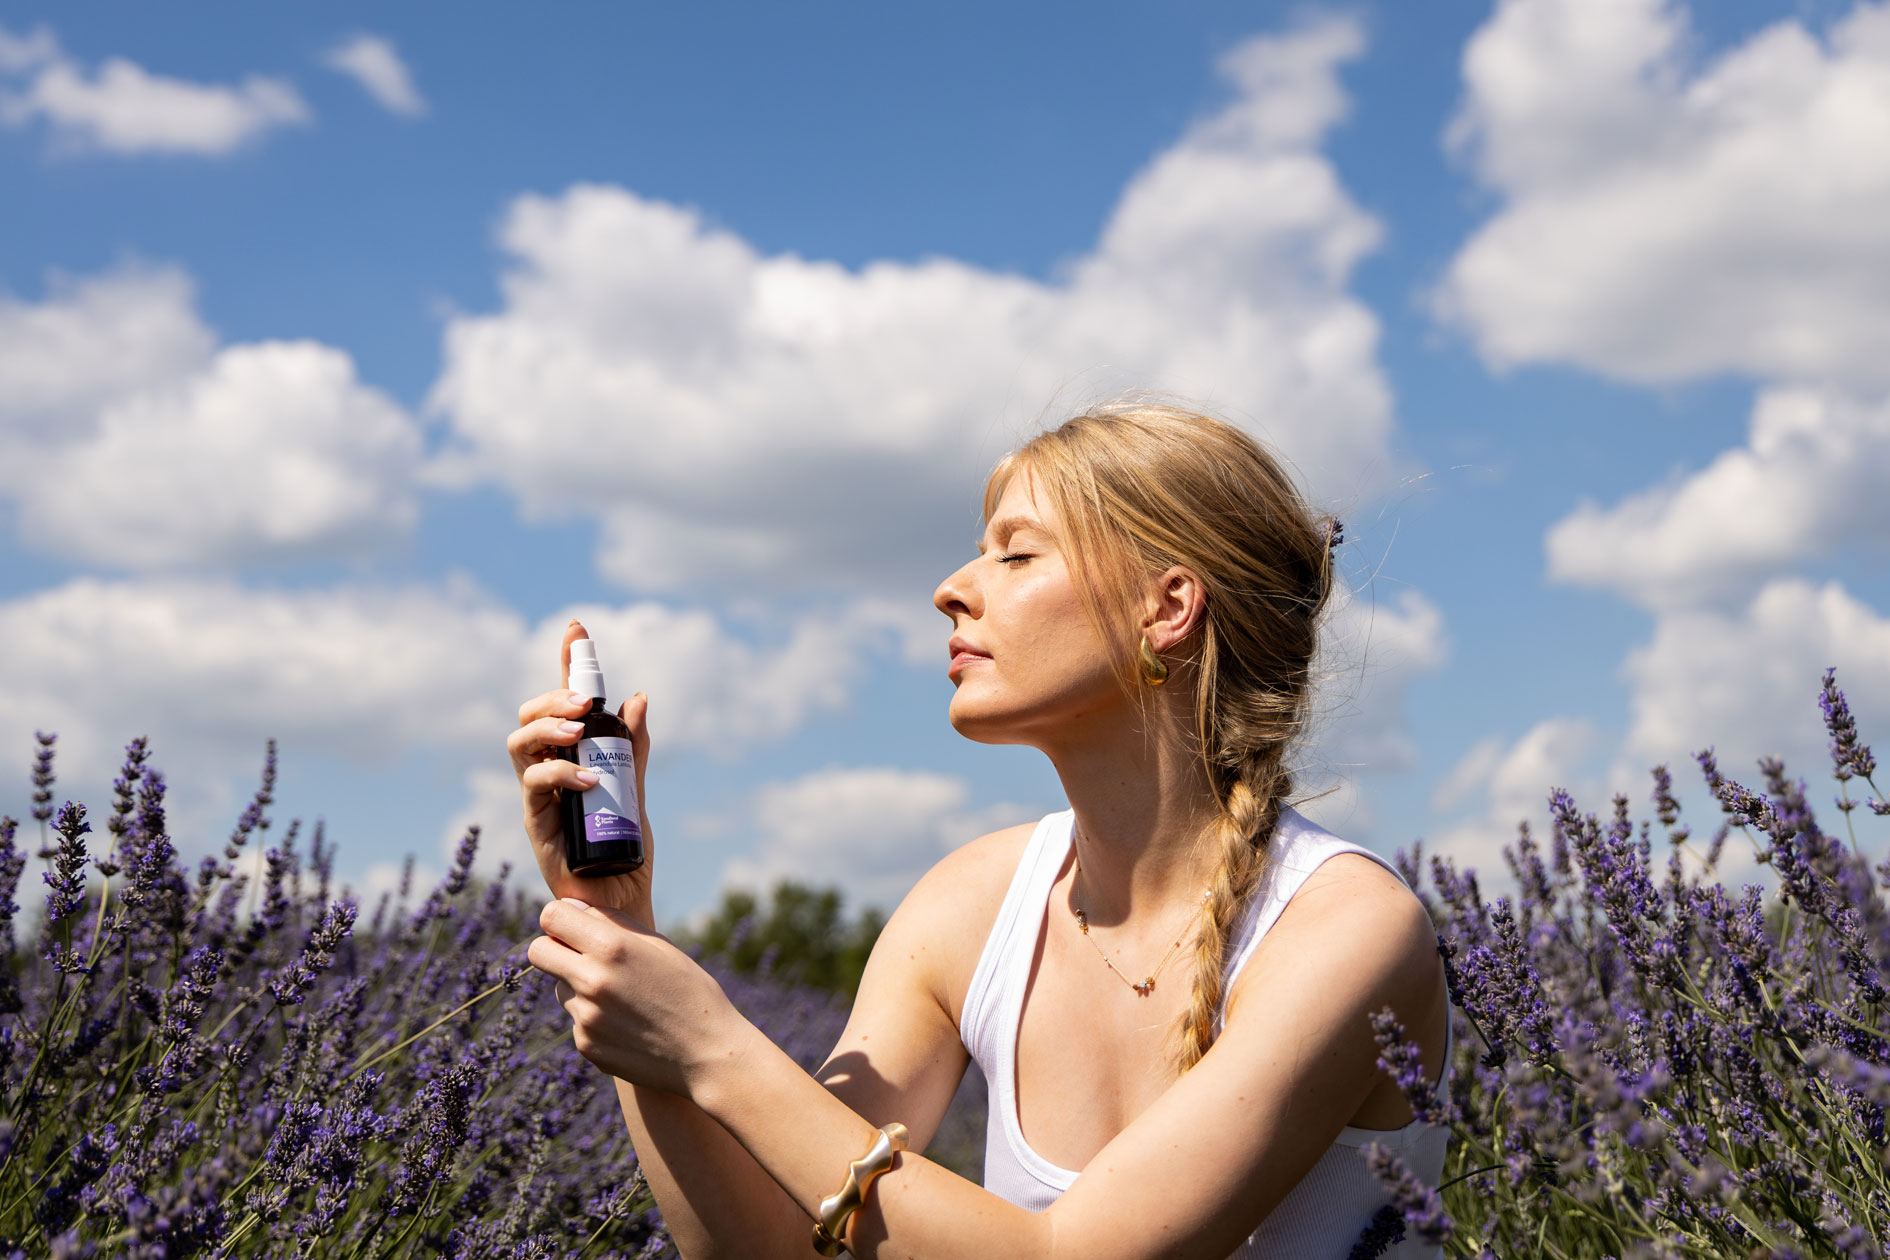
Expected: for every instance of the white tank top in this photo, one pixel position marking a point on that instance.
(1322, 1216)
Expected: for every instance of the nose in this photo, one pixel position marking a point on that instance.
(958, 594)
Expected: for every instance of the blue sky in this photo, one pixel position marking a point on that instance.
(330, 389)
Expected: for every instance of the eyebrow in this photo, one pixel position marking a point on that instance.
(1005, 526)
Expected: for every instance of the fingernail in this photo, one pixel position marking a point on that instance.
(641, 696)
(586, 777)
(571, 728)
(580, 701)
(574, 901)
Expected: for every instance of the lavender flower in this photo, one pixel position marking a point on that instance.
(1420, 1205)
(1848, 756)
(1386, 1229)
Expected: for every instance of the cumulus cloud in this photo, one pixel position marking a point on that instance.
(783, 421)
(874, 830)
(1498, 784)
(1743, 682)
(132, 441)
(1660, 220)
(274, 450)
(372, 62)
(1810, 477)
(1371, 655)
(216, 664)
(376, 677)
(1747, 680)
(122, 108)
(92, 341)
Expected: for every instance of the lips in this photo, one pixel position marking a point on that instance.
(963, 654)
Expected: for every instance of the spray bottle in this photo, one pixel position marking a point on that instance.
(601, 833)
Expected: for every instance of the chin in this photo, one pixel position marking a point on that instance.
(977, 719)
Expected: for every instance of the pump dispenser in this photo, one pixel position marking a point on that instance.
(602, 835)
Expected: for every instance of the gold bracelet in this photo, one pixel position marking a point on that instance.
(834, 1211)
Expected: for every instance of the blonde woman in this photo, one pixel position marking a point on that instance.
(1168, 985)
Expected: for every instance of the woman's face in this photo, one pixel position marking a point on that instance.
(1026, 660)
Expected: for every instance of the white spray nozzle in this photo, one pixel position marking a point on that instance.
(586, 678)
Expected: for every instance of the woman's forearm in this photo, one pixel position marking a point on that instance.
(716, 1200)
(804, 1137)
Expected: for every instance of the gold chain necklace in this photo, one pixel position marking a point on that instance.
(1082, 922)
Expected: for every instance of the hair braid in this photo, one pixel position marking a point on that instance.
(1249, 814)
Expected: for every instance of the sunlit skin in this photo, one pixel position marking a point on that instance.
(740, 1144)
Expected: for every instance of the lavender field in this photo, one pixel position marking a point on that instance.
(1649, 1063)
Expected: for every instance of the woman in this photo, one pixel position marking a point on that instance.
(1144, 610)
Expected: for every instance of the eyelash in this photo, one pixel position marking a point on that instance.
(1018, 555)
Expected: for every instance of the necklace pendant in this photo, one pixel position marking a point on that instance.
(1146, 987)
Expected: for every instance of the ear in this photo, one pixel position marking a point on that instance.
(1176, 602)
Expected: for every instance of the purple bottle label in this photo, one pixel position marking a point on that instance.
(610, 807)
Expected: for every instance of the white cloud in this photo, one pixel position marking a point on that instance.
(1811, 476)
(1473, 772)
(20, 53)
(375, 676)
(1370, 656)
(371, 61)
(131, 441)
(1505, 784)
(209, 668)
(871, 830)
(710, 689)
(274, 450)
(124, 108)
(1744, 683)
(1660, 221)
(494, 806)
(1747, 681)
(782, 421)
(215, 664)
(92, 341)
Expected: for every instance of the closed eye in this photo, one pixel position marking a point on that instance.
(1014, 557)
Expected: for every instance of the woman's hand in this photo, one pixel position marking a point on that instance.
(640, 1008)
(545, 723)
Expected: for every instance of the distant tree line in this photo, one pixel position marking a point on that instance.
(804, 934)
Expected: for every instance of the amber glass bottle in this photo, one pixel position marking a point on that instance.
(602, 835)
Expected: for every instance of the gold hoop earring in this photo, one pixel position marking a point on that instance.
(1154, 670)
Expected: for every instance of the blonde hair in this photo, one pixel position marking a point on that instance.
(1141, 486)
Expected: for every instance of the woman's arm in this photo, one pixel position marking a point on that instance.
(1190, 1177)
(899, 1057)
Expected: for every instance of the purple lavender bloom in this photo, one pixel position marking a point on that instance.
(67, 878)
(1849, 756)
(1402, 1060)
(43, 778)
(316, 956)
(1420, 1205)
(1385, 1230)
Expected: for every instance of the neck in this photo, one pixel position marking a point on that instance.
(1145, 816)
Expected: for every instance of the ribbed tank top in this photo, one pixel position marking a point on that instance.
(1322, 1216)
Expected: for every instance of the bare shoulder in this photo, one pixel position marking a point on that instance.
(942, 924)
(1359, 923)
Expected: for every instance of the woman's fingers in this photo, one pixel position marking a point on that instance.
(562, 703)
(541, 778)
(529, 741)
(585, 928)
(635, 713)
(553, 957)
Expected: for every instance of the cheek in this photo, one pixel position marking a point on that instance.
(1048, 630)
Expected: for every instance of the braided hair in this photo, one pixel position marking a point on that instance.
(1140, 486)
